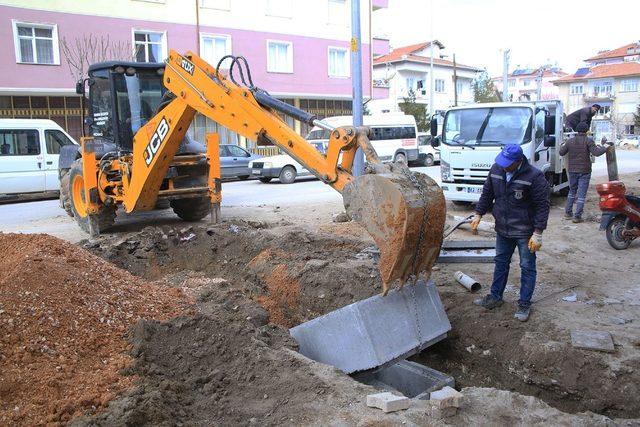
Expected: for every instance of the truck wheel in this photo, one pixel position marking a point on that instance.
(65, 195)
(287, 175)
(400, 158)
(105, 217)
(192, 209)
(428, 161)
(265, 180)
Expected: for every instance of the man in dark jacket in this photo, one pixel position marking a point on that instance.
(579, 150)
(519, 195)
(582, 115)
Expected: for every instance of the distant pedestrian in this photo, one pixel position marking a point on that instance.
(518, 194)
(582, 115)
(579, 149)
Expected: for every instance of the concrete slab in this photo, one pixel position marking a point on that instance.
(388, 402)
(409, 378)
(377, 331)
(592, 340)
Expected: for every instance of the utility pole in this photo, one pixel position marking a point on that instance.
(505, 75)
(431, 109)
(356, 80)
(455, 82)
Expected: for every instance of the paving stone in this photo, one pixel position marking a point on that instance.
(592, 340)
(446, 397)
(388, 402)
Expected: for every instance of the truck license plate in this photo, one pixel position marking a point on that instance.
(474, 190)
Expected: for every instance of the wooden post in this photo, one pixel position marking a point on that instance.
(214, 182)
(612, 163)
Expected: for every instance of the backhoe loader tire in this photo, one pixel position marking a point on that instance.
(105, 218)
(193, 209)
(65, 194)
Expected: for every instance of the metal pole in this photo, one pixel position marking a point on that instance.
(455, 82)
(505, 76)
(431, 109)
(356, 79)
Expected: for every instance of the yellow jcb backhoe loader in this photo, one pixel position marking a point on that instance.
(139, 153)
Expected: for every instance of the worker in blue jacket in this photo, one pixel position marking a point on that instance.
(518, 194)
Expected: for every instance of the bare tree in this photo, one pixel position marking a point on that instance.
(88, 49)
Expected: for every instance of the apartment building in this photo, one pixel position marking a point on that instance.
(297, 50)
(611, 79)
(531, 84)
(407, 69)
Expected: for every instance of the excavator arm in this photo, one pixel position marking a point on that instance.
(404, 212)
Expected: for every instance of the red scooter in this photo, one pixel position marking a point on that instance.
(620, 214)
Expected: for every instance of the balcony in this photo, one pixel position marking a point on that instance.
(381, 83)
(379, 4)
(598, 96)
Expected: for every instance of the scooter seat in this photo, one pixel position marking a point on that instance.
(634, 200)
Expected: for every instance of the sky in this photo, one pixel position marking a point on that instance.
(537, 32)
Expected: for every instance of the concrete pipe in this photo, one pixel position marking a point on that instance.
(468, 282)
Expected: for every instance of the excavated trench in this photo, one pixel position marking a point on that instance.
(287, 275)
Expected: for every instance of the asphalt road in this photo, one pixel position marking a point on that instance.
(46, 216)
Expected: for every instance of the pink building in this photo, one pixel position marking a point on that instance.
(298, 51)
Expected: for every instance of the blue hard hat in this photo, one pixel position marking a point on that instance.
(510, 154)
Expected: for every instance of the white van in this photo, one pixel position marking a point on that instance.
(393, 135)
(29, 151)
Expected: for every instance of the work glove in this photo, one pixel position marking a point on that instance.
(535, 242)
(475, 222)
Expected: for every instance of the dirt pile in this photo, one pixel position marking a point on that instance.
(63, 317)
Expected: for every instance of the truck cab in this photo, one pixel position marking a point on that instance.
(472, 136)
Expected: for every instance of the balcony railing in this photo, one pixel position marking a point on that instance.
(381, 83)
(595, 96)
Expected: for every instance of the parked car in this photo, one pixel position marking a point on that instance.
(427, 155)
(234, 161)
(282, 166)
(29, 151)
(629, 141)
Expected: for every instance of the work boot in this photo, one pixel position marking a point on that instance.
(523, 313)
(489, 302)
(577, 220)
(568, 216)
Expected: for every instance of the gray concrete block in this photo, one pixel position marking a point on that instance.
(388, 402)
(592, 340)
(377, 331)
(447, 397)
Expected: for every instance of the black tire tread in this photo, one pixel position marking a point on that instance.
(191, 209)
(65, 192)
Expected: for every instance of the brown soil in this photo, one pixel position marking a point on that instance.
(63, 317)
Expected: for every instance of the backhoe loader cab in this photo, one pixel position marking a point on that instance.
(123, 97)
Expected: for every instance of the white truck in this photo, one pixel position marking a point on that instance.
(472, 136)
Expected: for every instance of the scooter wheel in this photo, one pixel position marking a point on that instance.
(614, 234)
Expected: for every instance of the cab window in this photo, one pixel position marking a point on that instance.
(19, 142)
(55, 140)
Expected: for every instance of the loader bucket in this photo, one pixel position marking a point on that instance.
(397, 209)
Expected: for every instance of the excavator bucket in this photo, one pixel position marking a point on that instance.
(404, 212)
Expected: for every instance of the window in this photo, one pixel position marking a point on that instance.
(338, 62)
(216, 4)
(512, 83)
(602, 88)
(459, 87)
(280, 8)
(629, 85)
(526, 82)
(386, 133)
(213, 47)
(576, 89)
(439, 85)
(149, 46)
(337, 12)
(411, 83)
(604, 109)
(236, 151)
(629, 129)
(55, 140)
(19, 142)
(279, 57)
(36, 44)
